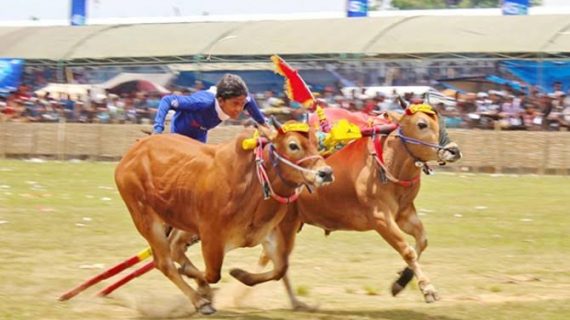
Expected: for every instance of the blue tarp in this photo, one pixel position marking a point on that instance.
(10, 73)
(541, 73)
(513, 84)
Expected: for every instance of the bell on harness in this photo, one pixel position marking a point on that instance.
(383, 177)
(266, 191)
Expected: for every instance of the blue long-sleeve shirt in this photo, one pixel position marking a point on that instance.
(196, 114)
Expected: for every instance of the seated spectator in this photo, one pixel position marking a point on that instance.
(297, 111)
(33, 110)
(7, 108)
(382, 104)
(452, 117)
(511, 114)
(566, 117)
(114, 108)
(51, 113)
(141, 107)
(549, 120)
(68, 105)
(130, 112)
(152, 104)
(369, 105)
(277, 108)
(532, 119)
(103, 114)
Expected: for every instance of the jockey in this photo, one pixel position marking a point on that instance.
(204, 110)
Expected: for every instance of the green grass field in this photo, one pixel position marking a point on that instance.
(498, 250)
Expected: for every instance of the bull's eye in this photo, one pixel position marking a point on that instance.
(422, 125)
(293, 146)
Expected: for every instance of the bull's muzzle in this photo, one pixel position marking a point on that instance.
(324, 176)
(450, 153)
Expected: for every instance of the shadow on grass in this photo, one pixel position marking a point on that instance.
(286, 314)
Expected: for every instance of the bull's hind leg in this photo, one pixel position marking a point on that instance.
(390, 231)
(275, 249)
(180, 241)
(288, 228)
(152, 229)
(411, 224)
(296, 304)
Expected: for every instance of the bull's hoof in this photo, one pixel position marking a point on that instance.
(206, 309)
(205, 292)
(301, 306)
(242, 276)
(396, 288)
(430, 294)
(429, 298)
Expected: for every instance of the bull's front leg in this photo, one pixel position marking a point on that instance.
(213, 254)
(411, 224)
(387, 227)
(179, 243)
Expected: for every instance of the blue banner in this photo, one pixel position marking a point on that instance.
(78, 12)
(515, 7)
(357, 8)
(10, 73)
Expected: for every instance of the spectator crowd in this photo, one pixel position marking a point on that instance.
(529, 108)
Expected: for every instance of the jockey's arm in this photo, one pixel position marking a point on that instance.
(253, 110)
(175, 102)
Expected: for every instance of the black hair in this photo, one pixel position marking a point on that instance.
(231, 86)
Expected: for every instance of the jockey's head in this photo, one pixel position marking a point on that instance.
(231, 95)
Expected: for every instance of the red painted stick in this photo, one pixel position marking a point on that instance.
(135, 274)
(106, 274)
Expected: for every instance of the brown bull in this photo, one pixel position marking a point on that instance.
(214, 195)
(376, 183)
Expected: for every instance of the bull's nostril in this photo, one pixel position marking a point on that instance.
(325, 174)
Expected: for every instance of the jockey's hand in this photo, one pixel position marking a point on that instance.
(450, 153)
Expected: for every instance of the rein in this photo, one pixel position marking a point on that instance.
(378, 156)
(275, 159)
(411, 140)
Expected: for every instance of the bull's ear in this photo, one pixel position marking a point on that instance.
(393, 116)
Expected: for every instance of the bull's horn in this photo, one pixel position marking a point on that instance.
(276, 124)
(403, 104)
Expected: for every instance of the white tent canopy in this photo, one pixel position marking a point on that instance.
(158, 80)
(57, 90)
(538, 36)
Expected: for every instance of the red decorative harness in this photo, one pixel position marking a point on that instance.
(379, 157)
(264, 179)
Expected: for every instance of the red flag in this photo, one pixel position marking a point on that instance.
(295, 86)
